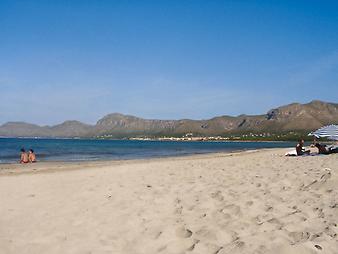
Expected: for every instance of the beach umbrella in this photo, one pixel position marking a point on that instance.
(329, 131)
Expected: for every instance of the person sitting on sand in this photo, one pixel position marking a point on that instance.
(322, 148)
(300, 149)
(31, 156)
(23, 156)
(333, 149)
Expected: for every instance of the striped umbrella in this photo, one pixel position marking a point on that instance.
(330, 132)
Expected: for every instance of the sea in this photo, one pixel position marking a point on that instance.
(90, 149)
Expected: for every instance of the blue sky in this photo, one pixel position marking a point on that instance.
(62, 60)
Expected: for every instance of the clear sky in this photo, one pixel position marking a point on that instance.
(62, 60)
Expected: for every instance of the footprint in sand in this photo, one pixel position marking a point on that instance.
(208, 248)
(299, 236)
(183, 232)
(268, 208)
(205, 234)
(315, 184)
(232, 209)
(217, 195)
(249, 203)
(179, 246)
(318, 247)
(154, 233)
(222, 217)
(193, 246)
(233, 247)
(178, 210)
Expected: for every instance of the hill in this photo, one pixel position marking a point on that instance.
(292, 117)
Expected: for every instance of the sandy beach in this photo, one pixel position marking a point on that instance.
(248, 202)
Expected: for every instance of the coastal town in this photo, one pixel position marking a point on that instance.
(266, 136)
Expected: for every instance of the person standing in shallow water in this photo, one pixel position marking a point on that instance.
(31, 156)
(23, 156)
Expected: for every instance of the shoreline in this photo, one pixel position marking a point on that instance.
(54, 166)
(170, 152)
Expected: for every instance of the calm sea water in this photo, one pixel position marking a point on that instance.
(82, 150)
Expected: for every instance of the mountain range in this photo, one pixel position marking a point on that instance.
(292, 117)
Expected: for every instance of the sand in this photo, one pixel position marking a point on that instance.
(250, 202)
